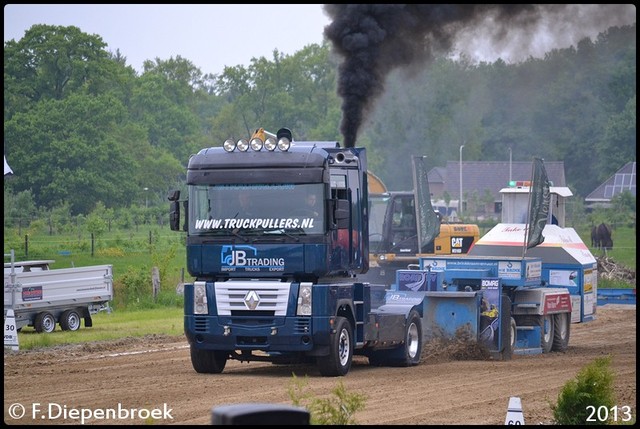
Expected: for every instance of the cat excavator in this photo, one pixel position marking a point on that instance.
(393, 233)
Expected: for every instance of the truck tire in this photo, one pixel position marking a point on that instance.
(561, 332)
(208, 361)
(412, 340)
(547, 336)
(507, 329)
(338, 362)
(513, 336)
(70, 320)
(45, 322)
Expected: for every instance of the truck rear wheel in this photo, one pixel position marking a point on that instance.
(562, 329)
(45, 322)
(338, 362)
(70, 320)
(208, 361)
(413, 340)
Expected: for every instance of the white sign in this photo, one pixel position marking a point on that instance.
(514, 412)
(10, 331)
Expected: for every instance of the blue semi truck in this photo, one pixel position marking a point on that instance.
(276, 276)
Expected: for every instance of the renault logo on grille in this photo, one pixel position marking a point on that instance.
(251, 300)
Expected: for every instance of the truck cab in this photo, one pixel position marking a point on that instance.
(248, 212)
(277, 237)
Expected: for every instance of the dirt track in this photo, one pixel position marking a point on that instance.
(156, 372)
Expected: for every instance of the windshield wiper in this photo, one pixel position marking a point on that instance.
(282, 231)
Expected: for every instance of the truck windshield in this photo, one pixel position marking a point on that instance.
(269, 209)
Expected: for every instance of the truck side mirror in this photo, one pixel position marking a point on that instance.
(174, 211)
(173, 195)
(341, 214)
(174, 215)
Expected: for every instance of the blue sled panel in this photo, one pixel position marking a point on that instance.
(448, 313)
(528, 340)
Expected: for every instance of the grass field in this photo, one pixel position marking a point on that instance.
(110, 326)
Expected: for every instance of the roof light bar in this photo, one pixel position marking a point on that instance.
(261, 139)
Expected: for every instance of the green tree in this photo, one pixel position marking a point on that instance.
(96, 224)
(67, 152)
(53, 62)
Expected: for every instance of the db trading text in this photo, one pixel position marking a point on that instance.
(53, 411)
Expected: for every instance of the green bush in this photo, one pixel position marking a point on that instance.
(581, 398)
(338, 410)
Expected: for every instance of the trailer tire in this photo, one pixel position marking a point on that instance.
(45, 322)
(338, 362)
(561, 332)
(70, 320)
(208, 361)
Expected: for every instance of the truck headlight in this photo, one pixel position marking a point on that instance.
(304, 299)
(200, 298)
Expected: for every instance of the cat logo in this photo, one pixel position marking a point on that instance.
(456, 242)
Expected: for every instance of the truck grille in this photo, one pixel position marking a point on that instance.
(262, 297)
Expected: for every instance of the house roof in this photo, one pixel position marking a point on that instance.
(479, 176)
(623, 180)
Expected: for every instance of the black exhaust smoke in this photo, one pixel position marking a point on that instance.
(373, 39)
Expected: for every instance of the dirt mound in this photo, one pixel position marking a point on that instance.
(459, 347)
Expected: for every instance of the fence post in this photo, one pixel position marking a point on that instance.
(26, 246)
(155, 281)
(92, 244)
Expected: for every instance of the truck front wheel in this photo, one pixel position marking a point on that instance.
(70, 320)
(45, 322)
(208, 361)
(338, 362)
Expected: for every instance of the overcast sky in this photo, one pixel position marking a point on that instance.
(210, 36)
(218, 35)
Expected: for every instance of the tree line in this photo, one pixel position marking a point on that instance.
(83, 130)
